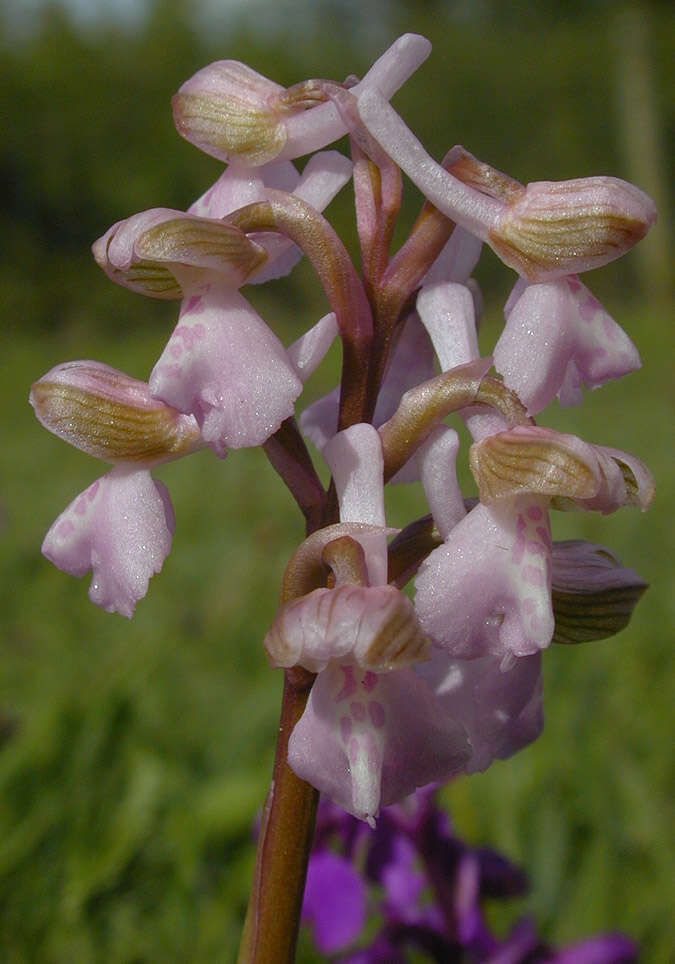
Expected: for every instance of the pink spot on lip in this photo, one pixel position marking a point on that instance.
(349, 685)
(189, 335)
(194, 305)
(518, 550)
(65, 529)
(358, 711)
(544, 535)
(369, 682)
(377, 714)
(536, 548)
(534, 513)
(588, 308)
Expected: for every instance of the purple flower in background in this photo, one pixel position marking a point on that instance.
(427, 890)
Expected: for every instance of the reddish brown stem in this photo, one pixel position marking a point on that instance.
(273, 916)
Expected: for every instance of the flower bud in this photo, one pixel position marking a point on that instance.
(152, 251)
(556, 228)
(570, 472)
(232, 112)
(111, 416)
(535, 460)
(229, 110)
(593, 594)
(375, 627)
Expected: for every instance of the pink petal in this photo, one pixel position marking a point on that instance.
(372, 626)
(225, 366)
(120, 528)
(488, 589)
(457, 259)
(323, 176)
(437, 459)
(447, 313)
(313, 129)
(557, 335)
(354, 457)
(615, 467)
(308, 351)
(237, 186)
(474, 211)
(368, 740)
(501, 709)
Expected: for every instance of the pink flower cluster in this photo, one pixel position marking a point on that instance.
(410, 689)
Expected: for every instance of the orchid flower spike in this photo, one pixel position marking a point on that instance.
(234, 113)
(121, 526)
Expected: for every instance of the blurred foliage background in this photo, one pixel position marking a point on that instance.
(134, 756)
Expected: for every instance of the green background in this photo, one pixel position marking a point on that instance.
(134, 755)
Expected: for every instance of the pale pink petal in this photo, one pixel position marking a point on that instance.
(120, 528)
(488, 589)
(447, 310)
(457, 259)
(308, 351)
(367, 740)
(237, 186)
(354, 457)
(319, 420)
(501, 709)
(557, 335)
(115, 248)
(472, 210)
(313, 129)
(225, 366)
(436, 459)
(447, 313)
(626, 480)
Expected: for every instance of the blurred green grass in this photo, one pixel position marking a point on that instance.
(136, 754)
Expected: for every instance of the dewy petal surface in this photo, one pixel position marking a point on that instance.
(488, 589)
(500, 708)
(557, 336)
(354, 456)
(225, 366)
(367, 740)
(120, 528)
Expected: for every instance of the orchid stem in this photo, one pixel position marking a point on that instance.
(287, 827)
